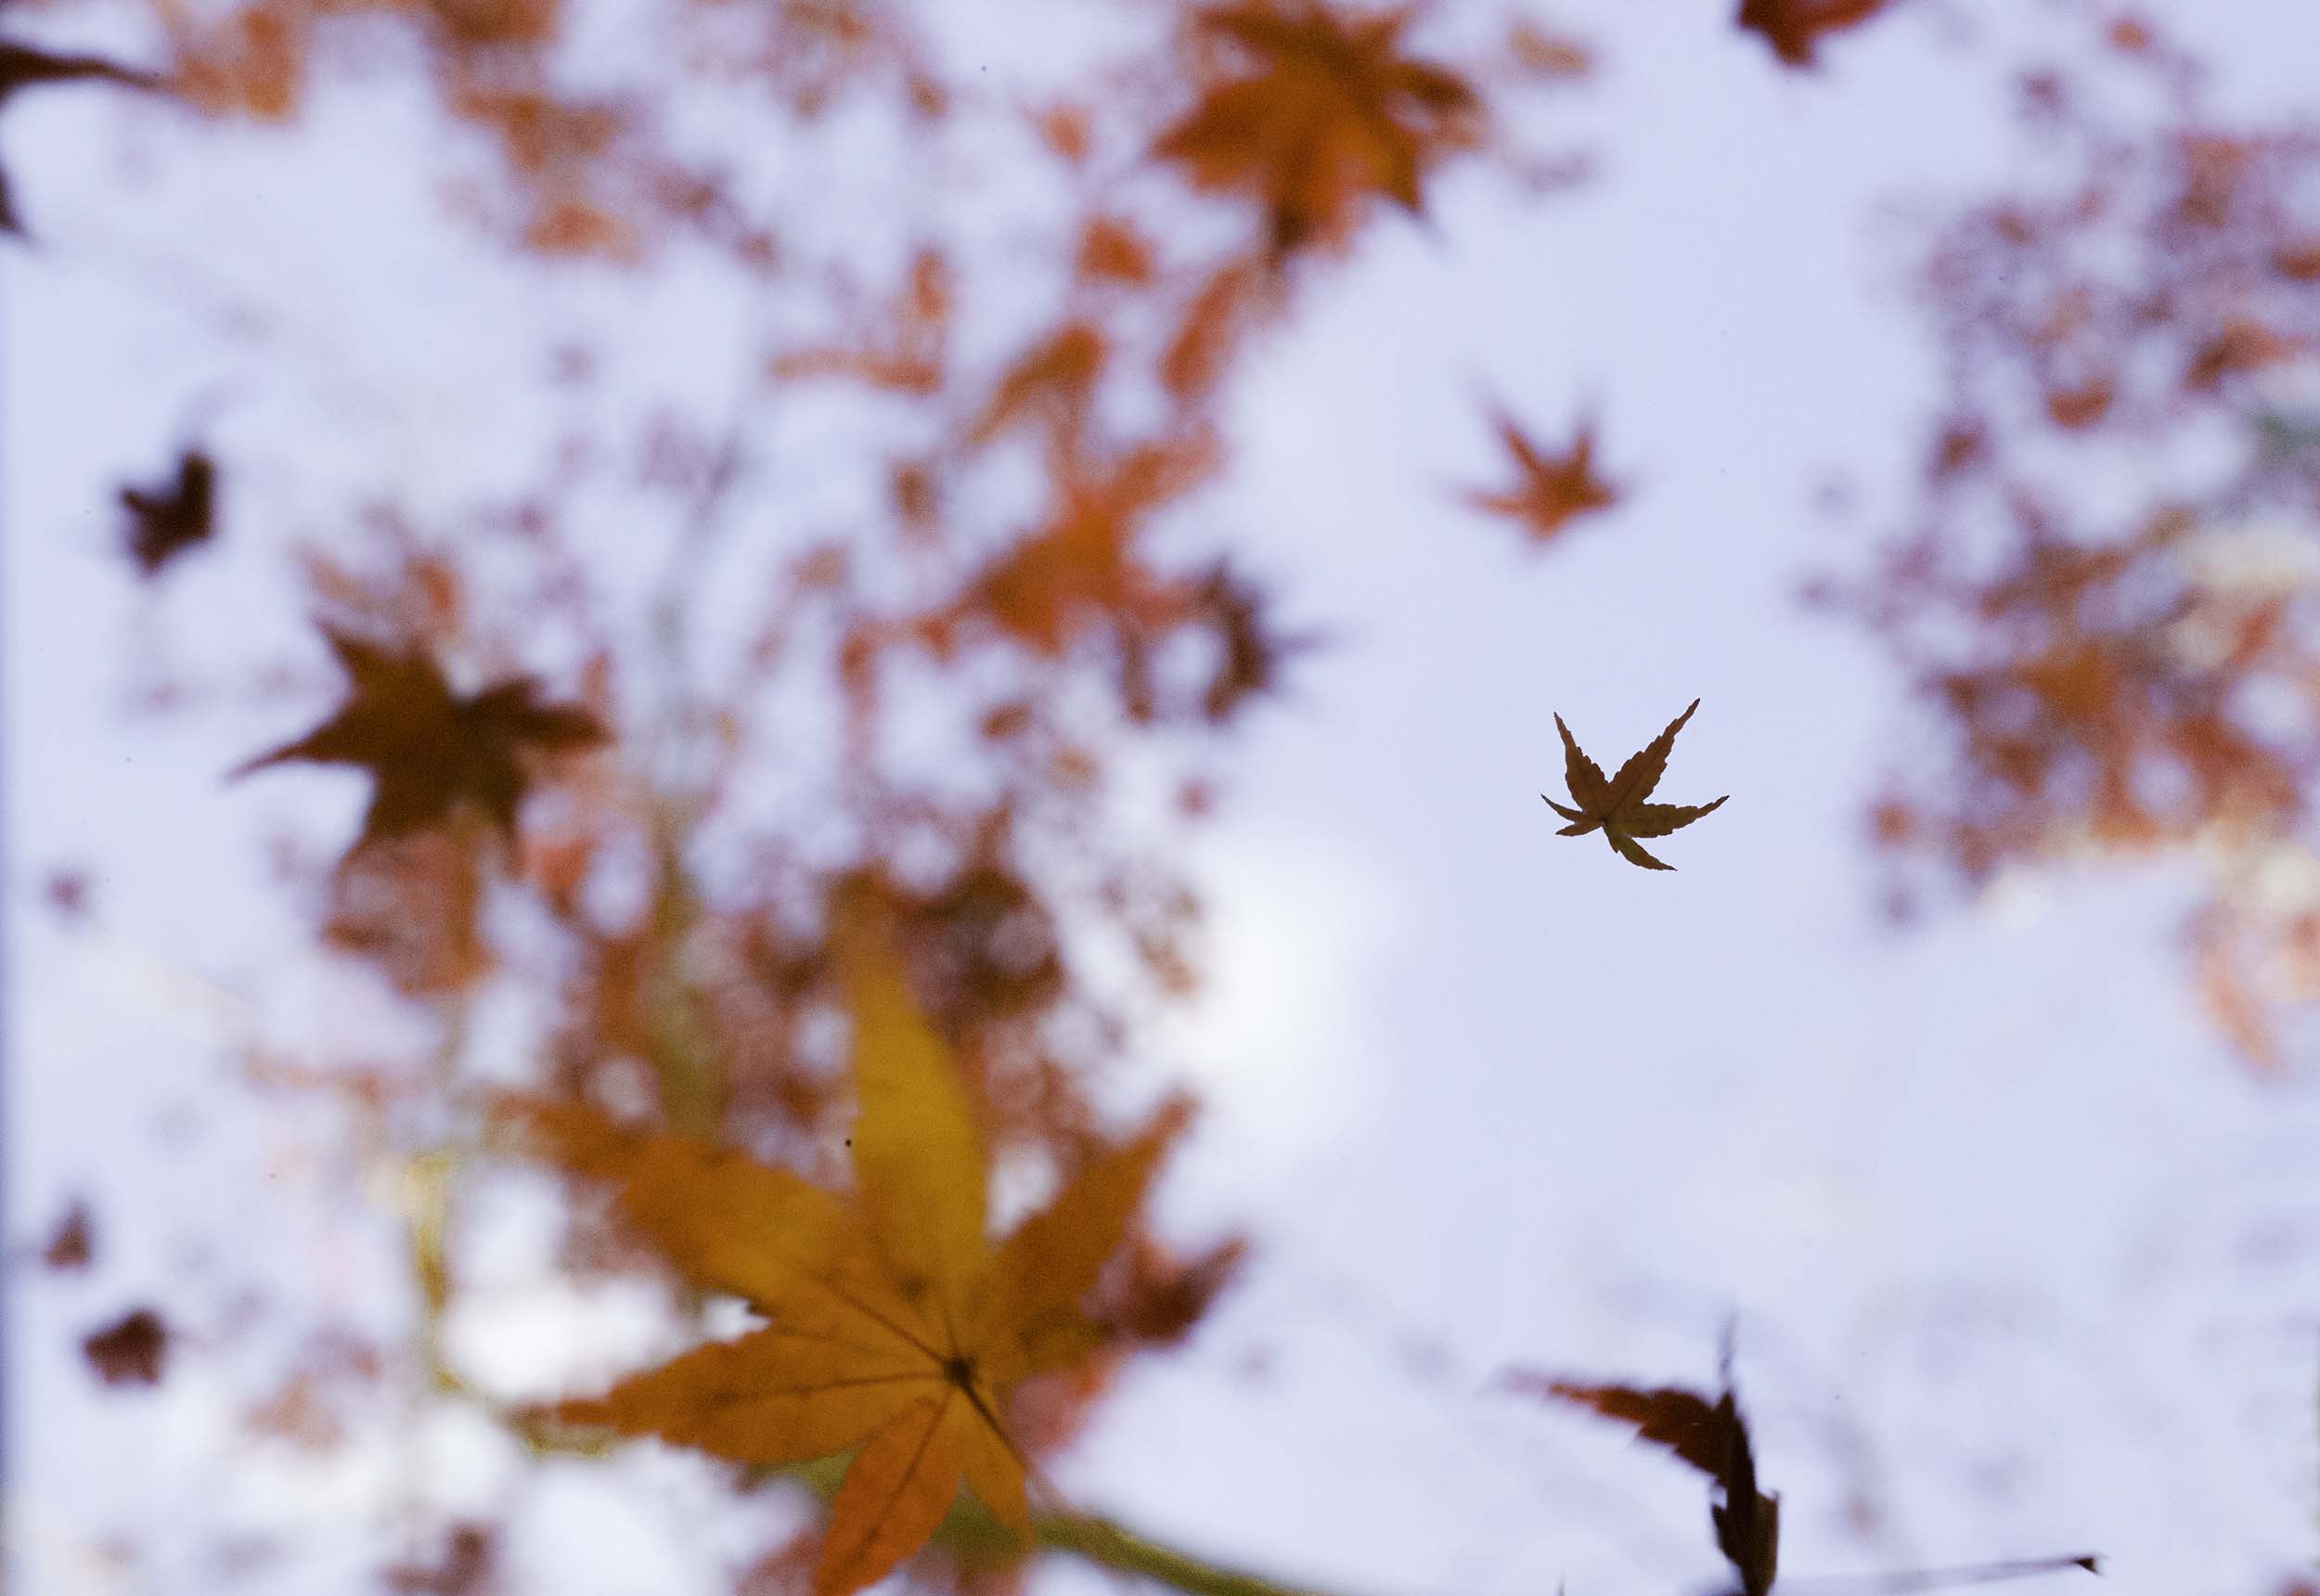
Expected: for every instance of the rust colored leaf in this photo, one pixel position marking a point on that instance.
(1547, 55)
(1329, 113)
(1616, 804)
(893, 1327)
(2080, 406)
(1696, 1430)
(2241, 345)
(1549, 490)
(1217, 317)
(1794, 28)
(2297, 260)
(1111, 249)
(130, 1351)
(1713, 1438)
(1053, 383)
(428, 748)
(72, 1243)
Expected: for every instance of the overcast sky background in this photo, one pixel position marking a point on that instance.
(2022, 1259)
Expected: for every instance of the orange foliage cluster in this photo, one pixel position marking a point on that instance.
(681, 896)
(2104, 594)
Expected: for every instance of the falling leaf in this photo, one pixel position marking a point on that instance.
(894, 1329)
(1616, 804)
(1792, 28)
(429, 749)
(1550, 490)
(1329, 113)
(1713, 1437)
(129, 1351)
(172, 517)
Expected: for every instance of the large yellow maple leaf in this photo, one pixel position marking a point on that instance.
(895, 1329)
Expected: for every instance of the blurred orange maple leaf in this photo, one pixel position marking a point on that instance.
(1550, 490)
(894, 1328)
(1792, 28)
(1616, 804)
(1333, 112)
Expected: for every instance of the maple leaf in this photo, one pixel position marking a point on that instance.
(894, 1328)
(1550, 490)
(1792, 28)
(1616, 804)
(1331, 113)
(174, 516)
(428, 748)
(1713, 1437)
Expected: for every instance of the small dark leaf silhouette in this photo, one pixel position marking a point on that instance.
(1616, 804)
(1713, 1438)
(1687, 1424)
(426, 748)
(1252, 655)
(171, 517)
(130, 1351)
(72, 1243)
(1792, 28)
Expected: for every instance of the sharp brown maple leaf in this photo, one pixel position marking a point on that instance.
(1713, 1437)
(1616, 804)
(1331, 113)
(1792, 28)
(1550, 490)
(426, 748)
(894, 1328)
(174, 516)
